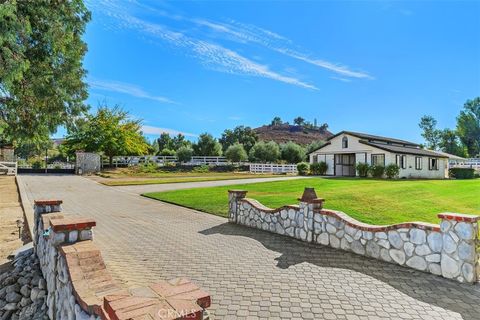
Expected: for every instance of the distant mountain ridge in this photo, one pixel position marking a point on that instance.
(283, 133)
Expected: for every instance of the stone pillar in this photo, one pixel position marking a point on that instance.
(459, 256)
(233, 203)
(309, 204)
(41, 207)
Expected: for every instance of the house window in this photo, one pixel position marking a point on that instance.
(345, 142)
(418, 163)
(432, 164)
(401, 161)
(378, 160)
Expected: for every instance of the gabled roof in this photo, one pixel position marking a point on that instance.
(388, 144)
(404, 149)
(370, 137)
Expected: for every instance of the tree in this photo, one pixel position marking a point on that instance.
(184, 154)
(207, 145)
(468, 126)
(292, 152)
(265, 152)
(179, 141)
(314, 146)
(41, 70)
(110, 131)
(236, 153)
(164, 142)
(430, 133)
(241, 134)
(299, 121)
(450, 143)
(276, 121)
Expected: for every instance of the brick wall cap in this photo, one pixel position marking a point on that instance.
(459, 217)
(47, 202)
(314, 201)
(377, 228)
(72, 223)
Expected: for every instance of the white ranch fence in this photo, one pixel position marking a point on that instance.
(162, 160)
(8, 168)
(473, 163)
(272, 168)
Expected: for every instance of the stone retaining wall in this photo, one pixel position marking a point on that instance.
(80, 287)
(449, 249)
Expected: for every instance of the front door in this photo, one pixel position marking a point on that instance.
(345, 164)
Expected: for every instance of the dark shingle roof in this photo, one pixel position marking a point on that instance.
(406, 149)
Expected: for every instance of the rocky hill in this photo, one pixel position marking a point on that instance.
(285, 132)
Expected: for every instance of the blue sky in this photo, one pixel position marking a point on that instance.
(196, 66)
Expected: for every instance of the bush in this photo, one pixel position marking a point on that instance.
(292, 152)
(184, 154)
(265, 152)
(167, 152)
(201, 169)
(363, 169)
(37, 165)
(147, 167)
(377, 171)
(302, 168)
(236, 153)
(392, 171)
(319, 168)
(462, 173)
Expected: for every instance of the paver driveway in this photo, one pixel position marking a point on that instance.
(250, 273)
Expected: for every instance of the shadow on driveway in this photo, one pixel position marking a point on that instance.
(433, 290)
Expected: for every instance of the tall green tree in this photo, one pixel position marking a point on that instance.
(299, 121)
(428, 124)
(292, 152)
(276, 121)
(41, 72)
(236, 153)
(207, 145)
(110, 131)
(450, 143)
(241, 134)
(265, 152)
(468, 126)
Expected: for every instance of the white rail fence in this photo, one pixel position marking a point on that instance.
(272, 168)
(8, 168)
(163, 160)
(473, 163)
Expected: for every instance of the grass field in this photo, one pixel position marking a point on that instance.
(367, 200)
(127, 176)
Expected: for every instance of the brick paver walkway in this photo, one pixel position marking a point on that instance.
(250, 274)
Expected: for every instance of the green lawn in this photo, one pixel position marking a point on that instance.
(131, 176)
(367, 200)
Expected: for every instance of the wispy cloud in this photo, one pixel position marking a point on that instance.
(158, 131)
(273, 41)
(210, 54)
(126, 88)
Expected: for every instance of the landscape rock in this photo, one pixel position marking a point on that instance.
(417, 236)
(449, 266)
(417, 262)
(435, 242)
(398, 256)
(395, 239)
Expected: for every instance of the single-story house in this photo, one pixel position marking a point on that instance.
(345, 149)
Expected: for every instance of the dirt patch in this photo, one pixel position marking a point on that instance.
(10, 212)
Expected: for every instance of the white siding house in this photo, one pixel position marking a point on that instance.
(345, 149)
